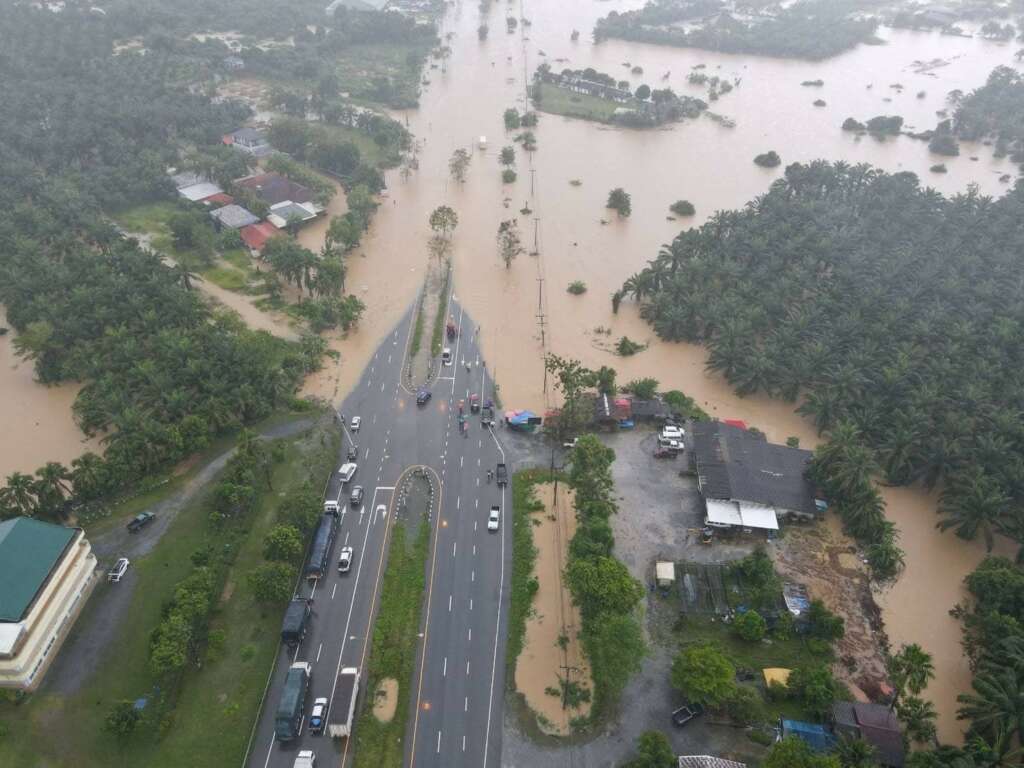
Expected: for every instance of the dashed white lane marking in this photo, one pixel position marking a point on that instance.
(318, 650)
(444, 668)
(465, 706)
(439, 742)
(460, 461)
(449, 603)
(463, 742)
(472, 575)
(455, 545)
(474, 525)
(335, 590)
(470, 637)
(458, 502)
(467, 669)
(474, 555)
(471, 603)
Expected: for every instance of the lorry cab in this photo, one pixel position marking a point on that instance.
(296, 618)
(446, 356)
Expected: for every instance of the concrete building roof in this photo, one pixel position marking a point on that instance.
(29, 551)
(234, 216)
(706, 761)
(739, 465)
(196, 192)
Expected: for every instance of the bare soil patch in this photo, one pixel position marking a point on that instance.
(552, 630)
(823, 559)
(385, 700)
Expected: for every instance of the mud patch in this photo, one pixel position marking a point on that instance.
(385, 700)
(551, 652)
(822, 558)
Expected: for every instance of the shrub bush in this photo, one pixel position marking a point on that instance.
(577, 287)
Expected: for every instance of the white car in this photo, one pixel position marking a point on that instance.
(345, 560)
(357, 421)
(494, 519)
(672, 433)
(382, 511)
(672, 445)
(305, 759)
(117, 572)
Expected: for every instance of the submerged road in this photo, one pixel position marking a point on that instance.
(456, 694)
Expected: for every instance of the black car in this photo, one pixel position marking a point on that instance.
(140, 521)
(685, 714)
(355, 499)
(423, 397)
(353, 452)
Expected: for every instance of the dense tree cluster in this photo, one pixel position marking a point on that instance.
(812, 29)
(105, 123)
(995, 109)
(162, 373)
(879, 303)
(601, 586)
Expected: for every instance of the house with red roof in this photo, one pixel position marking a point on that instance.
(255, 236)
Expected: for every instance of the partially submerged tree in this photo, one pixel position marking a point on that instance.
(509, 244)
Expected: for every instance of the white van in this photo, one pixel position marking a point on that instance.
(347, 472)
(446, 356)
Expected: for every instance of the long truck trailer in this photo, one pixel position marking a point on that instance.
(343, 703)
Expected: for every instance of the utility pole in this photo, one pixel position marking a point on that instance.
(536, 247)
(533, 173)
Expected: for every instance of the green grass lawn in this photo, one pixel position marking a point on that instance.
(227, 277)
(362, 67)
(788, 654)
(393, 654)
(559, 101)
(216, 704)
(150, 217)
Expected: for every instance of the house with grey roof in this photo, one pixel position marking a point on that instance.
(747, 482)
(233, 216)
(706, 761)
(251, 140)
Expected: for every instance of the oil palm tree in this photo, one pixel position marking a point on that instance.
(996, 708)
(918, 717)
(910, 669)
(974, 503)
(854, 752)
(18, 496)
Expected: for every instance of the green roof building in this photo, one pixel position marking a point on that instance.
(46, 572)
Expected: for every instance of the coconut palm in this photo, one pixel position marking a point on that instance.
(910, 669)
(918, 717)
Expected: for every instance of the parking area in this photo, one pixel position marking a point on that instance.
(660, 517)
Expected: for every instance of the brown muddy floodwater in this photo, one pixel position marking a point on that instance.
(701, 161)
(36, 425)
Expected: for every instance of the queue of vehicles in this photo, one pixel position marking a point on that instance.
(335, 715)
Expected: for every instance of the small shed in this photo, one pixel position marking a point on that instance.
(665, 573)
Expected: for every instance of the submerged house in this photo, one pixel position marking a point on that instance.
(747, 482)
(876, 724)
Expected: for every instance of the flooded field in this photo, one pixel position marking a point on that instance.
(700, 160)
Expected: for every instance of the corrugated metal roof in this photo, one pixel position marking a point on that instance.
(706, 761)
(29, 551)
(733, 463)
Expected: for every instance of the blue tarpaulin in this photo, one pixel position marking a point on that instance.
(520, 418)
(816, 737)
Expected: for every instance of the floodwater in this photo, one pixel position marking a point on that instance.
(701, 161)
(35, 421)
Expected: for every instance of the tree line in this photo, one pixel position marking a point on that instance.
(602, 587)
(812, 29)
(876, 303)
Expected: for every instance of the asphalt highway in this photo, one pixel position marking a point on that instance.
(456, 697)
